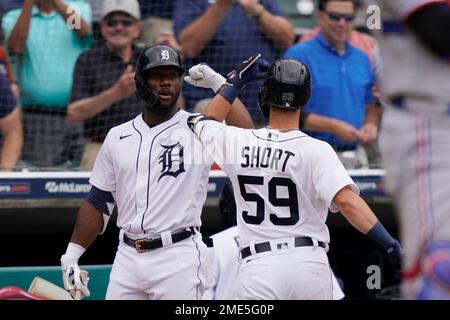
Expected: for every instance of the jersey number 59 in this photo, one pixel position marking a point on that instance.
(291, 201)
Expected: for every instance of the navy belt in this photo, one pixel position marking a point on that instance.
(144, 245)
(265, 246)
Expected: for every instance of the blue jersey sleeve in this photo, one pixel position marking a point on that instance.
(273, 7)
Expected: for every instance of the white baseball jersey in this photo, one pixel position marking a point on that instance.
(284, 182)
(158, 175)
(410, 69)
(226, 267)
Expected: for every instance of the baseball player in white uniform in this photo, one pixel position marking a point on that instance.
(156, 172)
(415, 137)
(225, 253)
(284, 183)
(226, 263)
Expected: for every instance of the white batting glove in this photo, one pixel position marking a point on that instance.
(202, 75)
(75, 279)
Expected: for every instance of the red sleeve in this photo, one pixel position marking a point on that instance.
(4, 60)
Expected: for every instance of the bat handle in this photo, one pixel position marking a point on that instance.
(77, 294)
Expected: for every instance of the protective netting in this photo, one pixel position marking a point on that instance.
(73, 77)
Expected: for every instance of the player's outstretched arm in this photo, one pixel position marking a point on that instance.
(239, 116)
(203, 76)
(355, 209)
(251, 69)
(358, 213)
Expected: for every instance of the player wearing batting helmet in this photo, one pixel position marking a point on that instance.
(156, 173)
(226, 249)
(284, 183)
(155, 59)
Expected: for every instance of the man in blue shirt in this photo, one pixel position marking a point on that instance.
(221, 32)
(342, 76)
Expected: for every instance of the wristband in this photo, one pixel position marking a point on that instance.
(74, 251)
(379, 234)
(229, 93)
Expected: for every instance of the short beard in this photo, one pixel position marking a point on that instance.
(162, 110)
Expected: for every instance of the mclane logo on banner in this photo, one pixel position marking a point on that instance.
(365, 186)
(15, 188)
(66, 187)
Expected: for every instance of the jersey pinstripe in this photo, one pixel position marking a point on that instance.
(158, 175)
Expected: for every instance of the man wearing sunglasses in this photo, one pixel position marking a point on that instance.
(103, 90)
(343, 80)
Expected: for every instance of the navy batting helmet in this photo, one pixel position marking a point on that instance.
(287, 85)
(154, 57)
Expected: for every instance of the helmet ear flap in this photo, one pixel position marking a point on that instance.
(145, 93)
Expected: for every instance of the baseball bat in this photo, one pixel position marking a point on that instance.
(84, 275)
(43, 288)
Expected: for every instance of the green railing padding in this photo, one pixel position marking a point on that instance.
(23, 276)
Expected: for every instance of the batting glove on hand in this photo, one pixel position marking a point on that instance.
(254, 68)
(202, 75)
(74, 279)
(395, 257)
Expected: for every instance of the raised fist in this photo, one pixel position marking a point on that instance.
(202, 75)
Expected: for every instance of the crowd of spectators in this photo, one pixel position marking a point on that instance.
(45, 50)
(70, 66)
(343, 78)
(103, 88)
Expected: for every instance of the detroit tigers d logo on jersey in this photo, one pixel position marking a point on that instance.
(171, 160)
